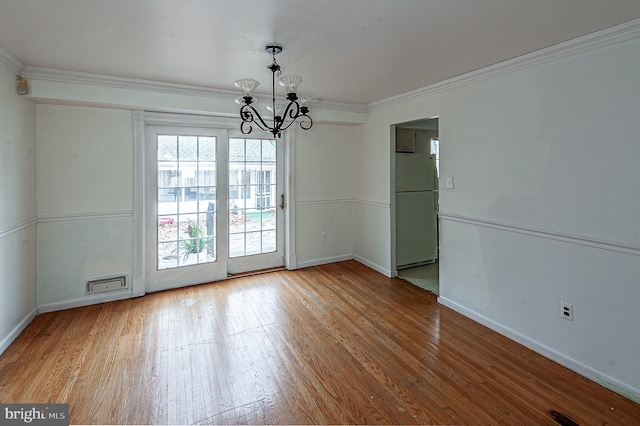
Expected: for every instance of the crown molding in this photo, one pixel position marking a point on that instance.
(614, 35)
(12, 63)
(103, 80)
(168, 119)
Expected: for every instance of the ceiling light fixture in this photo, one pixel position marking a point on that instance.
(296, 109)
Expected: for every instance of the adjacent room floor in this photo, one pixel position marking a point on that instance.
(424, 276)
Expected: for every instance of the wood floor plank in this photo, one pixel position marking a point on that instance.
(333, 344)
(373, 401)
(357, 347)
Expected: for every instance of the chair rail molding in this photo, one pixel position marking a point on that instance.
(540, 233)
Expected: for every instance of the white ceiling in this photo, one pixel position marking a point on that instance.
(355, 51)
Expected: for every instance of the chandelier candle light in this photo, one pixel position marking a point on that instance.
(296, 108)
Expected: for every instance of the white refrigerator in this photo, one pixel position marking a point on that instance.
(416, 209)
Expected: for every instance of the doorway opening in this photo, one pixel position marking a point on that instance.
(416, 166)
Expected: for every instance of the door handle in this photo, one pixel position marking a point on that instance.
(282, 204)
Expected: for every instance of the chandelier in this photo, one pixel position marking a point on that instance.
(296, 109)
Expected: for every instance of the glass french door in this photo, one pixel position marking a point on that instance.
(256, 203)
(213, 205)
(186, 204)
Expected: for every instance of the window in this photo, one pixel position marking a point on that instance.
(252, 210)
(239, 181)
(263, 190)
(435, 150)
(186, 200)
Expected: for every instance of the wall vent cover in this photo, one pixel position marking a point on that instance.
(106, 285)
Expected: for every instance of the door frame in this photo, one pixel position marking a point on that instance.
(140, 119)
(392, 190)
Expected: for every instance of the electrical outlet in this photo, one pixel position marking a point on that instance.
(448, 182)
(566, 310)
(324, 236)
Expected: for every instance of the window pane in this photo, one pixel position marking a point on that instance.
(236, 150)
(254, 243)
(236, 222)
(236, 245)
(253, 150)
(253, 221)
(207, 175)
(207, 205)
(167, 255)
(207, 149)
(166, 195)
(167, 148)
(167, 229)
(269, 241)
(188, 148)
(269, 150)
(189, 203)
(268, 220)
(168, 175)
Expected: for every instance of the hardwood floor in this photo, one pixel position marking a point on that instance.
(337, 343)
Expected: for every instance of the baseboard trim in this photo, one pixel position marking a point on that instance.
(13, 335)
(323, 261)
(333, 259)
(87, 301)
(384, 271)
(576, 366)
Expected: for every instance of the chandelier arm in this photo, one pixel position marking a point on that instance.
(304, 119)
(287, 126)
(294, 112)
(248, 114)
(245, 128)
(290, 123)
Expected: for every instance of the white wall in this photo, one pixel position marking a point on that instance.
(17, 210)
(85, 193)
(545, 208)
(323, 175)
(545, 161)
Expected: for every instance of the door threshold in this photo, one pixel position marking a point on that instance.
(256, 272)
